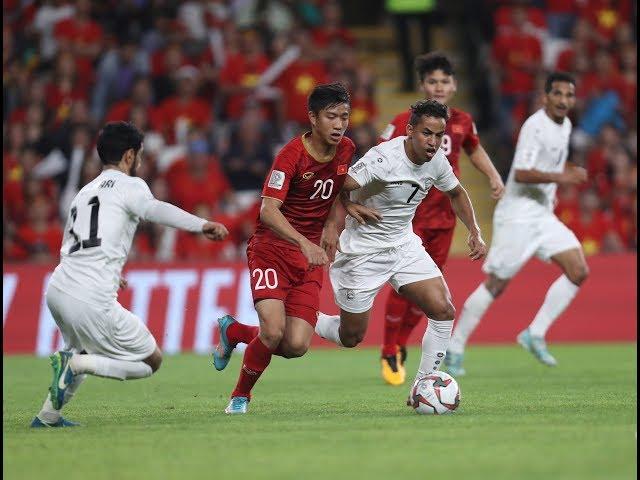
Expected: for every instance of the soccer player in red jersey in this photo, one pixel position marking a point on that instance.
(435, 219)
(284, 254)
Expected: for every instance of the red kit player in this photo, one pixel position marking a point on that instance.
(284, 254)
(435, 219)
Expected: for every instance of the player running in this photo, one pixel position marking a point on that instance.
(435, 219)
(284, 254)
(391, 180)
(101, 337)
(524, 225)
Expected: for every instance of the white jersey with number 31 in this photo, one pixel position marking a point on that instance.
(102, 221)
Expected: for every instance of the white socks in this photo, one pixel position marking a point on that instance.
(558, 298)
(109, 367)
(328, 327)
(48, 413)
(434, 346)
(472, 311)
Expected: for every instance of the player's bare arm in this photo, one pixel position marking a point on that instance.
(273, 218)
(461, 204)
(572, 175)
(330, 240)
(361, 213)
(480, 159)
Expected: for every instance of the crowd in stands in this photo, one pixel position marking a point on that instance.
(216, 86)
(595, 40)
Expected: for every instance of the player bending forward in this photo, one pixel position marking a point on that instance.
(524, 225)
(101, 337)
(435, 220)
(284, 256)
(391, 180)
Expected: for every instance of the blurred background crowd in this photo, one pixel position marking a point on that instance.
(218, 86)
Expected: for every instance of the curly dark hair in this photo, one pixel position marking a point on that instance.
(430, 108)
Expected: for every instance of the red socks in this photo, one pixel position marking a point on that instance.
(256, 359)
(397, 306)
(412, 318)
(240, 333)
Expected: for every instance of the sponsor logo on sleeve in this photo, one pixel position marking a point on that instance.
(387, 132)
(276, 180)
(358, 166)
(457, 129)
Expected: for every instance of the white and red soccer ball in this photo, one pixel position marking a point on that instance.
(435, 394)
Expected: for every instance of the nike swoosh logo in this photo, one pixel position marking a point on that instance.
(61, 383)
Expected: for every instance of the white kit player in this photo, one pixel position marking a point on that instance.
(524, 225)
(378, 244)
(101, 337)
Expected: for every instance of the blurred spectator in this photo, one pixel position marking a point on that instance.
(39, 239)
(183, 111)
(194, 247)
(518, 55)
(249, 155)
(197, 178)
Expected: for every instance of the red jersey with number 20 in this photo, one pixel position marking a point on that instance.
(306, 187)
(435, 211)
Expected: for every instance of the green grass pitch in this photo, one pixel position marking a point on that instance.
(329, 416)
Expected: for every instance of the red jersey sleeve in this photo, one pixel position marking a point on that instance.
(282, 172)
(471, 139)
(396, 128)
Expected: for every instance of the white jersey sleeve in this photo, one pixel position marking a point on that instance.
(446, 179)
(370, 168)
(141, 203)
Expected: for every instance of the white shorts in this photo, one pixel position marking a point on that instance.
(356, 279)
(514, 243)
(113, 331)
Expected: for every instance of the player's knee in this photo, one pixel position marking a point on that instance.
(443, 310)
(272, 335)
(296, 350)
(578, 274)
(496, 286)
(351, 339)
(154, 360)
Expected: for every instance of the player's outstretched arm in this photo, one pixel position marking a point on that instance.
(480, 159)
(461, 204)
(167, 214)
(572, 175)
(273, 218)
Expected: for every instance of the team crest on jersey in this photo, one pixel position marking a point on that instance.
(342, 169)
(307, 175)
(276, 180)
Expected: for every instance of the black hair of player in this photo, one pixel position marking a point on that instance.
(328, 95)
(430, 108)
(558, 77)
(115, 139)
(430, 62)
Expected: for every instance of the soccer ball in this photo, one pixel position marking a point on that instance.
(435, 394)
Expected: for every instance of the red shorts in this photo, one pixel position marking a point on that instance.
(283, 273)
(437, 242)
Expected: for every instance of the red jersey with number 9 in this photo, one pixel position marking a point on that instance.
(435, 211)
(306, 187)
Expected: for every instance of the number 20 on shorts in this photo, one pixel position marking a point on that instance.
(267, 278)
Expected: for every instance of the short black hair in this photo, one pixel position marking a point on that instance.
(115, 139)
(328, 95)
(558, 77)
(430, 108)
(430, 62)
